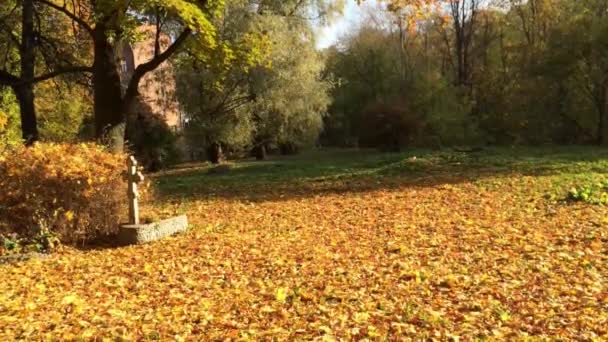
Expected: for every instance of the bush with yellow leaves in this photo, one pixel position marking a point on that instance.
(74, 191)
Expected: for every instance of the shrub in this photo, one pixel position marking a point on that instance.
(388, 126)
(74, 192)
(596, 193)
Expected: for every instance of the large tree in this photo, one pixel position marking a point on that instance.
(274, 96)
(296, 74)
(107, 24)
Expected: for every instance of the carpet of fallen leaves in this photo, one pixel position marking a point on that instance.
(335, 261)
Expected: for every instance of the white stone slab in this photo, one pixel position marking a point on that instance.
(131, 234)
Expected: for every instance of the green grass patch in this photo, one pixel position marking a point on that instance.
(559, 169)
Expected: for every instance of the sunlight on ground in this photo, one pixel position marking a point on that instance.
(379, 250)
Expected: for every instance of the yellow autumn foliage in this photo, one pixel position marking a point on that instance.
(75, 191)
(3, 120)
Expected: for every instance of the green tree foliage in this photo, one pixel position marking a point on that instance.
(277, 97)
(500, 73)
(9, 119)
(585, 60)
(417, 72)
(38, 46)
(377, 84)
(59, 102)
(210, 92)
(62, 108)
(105, 25)
(291, 97)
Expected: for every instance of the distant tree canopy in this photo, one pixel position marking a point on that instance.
(473, 72)
(249, 77)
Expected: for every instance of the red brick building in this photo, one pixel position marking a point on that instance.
(157, 88)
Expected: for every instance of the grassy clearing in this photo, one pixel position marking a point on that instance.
(344, 245)
(564, 167)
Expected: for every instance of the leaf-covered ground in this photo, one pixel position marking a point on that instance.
(343, 246)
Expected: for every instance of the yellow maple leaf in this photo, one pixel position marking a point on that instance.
(281, 295)
(71, 299)
(117, 313)
(361, 317)
(3, 121)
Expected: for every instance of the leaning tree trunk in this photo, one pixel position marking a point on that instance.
(259, 152)
(109, 107)
(25, 91)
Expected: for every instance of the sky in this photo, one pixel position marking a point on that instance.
(328, 35)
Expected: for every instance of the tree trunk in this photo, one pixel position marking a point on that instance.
(27, 109)
(603, 111)
(25, 91)
(109, 107)
(260, 152)
(288, 149)
(460, 72)
(214, 153)
(601, 139)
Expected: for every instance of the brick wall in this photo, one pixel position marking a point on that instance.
(157, 88)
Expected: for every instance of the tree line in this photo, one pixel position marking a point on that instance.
(249, 78)
(237, 63)
(473, 72)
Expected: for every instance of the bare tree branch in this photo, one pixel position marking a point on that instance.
(143, 69)
(69, 14)
(10, 80)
